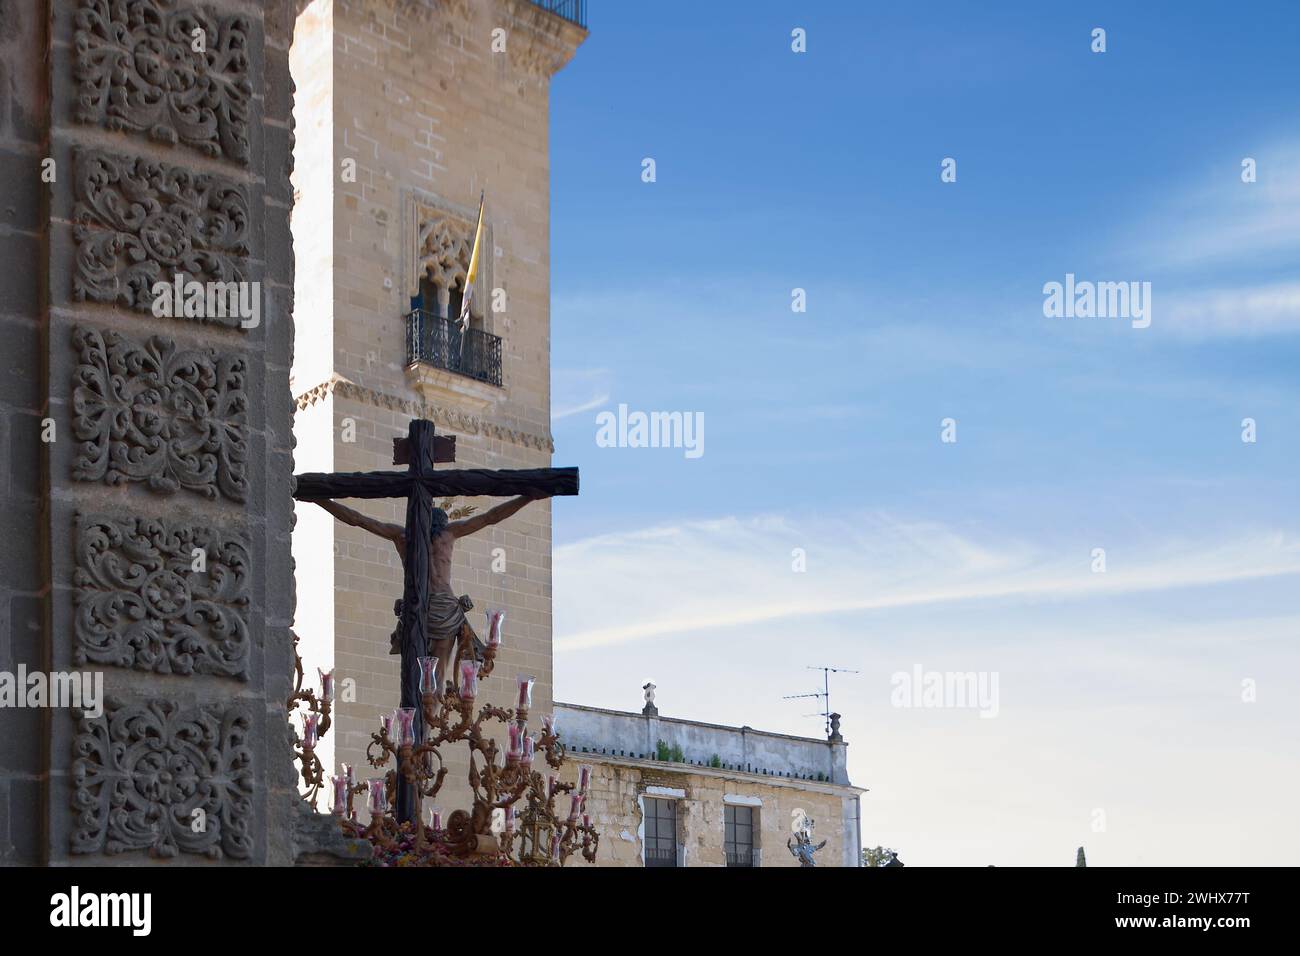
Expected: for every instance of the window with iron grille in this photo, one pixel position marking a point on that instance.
(660, 832)
(429, 300)
(738, 841)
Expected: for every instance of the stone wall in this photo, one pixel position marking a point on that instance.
(737, 748)
(619, 788)
(24, 565)
(149, 540)
(427, 116)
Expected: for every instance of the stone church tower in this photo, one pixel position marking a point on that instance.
(146, 482)
(406, 110)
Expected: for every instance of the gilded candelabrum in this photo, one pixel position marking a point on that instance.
(533, 834)
(315, 713)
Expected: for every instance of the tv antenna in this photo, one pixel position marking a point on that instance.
(824, 694)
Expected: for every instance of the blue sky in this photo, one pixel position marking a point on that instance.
(1120, 692)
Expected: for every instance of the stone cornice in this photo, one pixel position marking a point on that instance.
(460, 422)
(738, 776)
(539, 43)
(550, 40)
(640, 715)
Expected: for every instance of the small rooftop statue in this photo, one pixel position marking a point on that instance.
(650, 710)
(800, 844)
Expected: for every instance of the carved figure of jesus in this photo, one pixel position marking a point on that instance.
(446, 612)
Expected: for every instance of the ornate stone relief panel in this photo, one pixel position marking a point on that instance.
(149, 411)
(161, 596)
(138, 221)
(177, 72)
(443, 244)
(143, 774)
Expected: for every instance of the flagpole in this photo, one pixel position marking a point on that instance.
(471, 274)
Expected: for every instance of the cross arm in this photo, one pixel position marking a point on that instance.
(469, 482)
(315, 485)
(503, 483)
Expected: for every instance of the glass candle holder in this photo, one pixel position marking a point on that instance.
(586, 821)
(550, 786)
(349, 775)
(584, 778)
(549, 724)
(495, 620)
(468, 680)
(386, 723)
(428, 675)
(340, 785)
(309, 724)
(435, 819)
(378, 800)
(404, 717)
(326, 684)
(575, 806)
(516, 742)
(555, 847)
(525, 699)
(530, 750)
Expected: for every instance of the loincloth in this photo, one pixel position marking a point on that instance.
(444, 620)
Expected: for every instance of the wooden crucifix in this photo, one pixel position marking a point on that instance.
(426, 545)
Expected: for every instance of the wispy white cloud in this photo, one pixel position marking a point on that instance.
(698, 576)
(1219, 221)
(1220, 251)
(579, 390)
(1269, 309)
(568, 411)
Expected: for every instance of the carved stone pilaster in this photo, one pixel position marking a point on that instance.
(138, 221)
(158, 777)
(169, 597)
(152, 412)
(176, 72)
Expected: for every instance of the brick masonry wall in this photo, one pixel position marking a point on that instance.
(429, 113)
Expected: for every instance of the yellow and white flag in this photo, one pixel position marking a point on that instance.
(471, 276)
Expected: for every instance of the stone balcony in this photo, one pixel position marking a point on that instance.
(448, 366)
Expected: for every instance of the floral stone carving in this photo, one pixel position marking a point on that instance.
(442, 248)
(138, 221)
(155, 776)
(170, 598)
(177, 73)
(174, 418)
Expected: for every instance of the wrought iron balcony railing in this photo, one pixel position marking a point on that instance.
(660, 856)
(439, 342)
(742, 856)
(575, 11)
